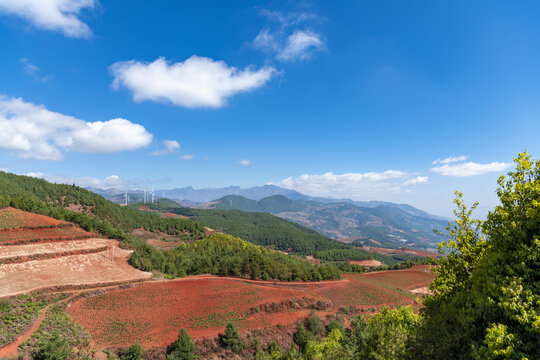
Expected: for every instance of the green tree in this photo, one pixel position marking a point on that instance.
(134, 352)
(301, 337)
(334, 324)
(314, 325)
(385, 336)
(330, 348)
(441, 333)
(487, 297)
(231, 339)
(182, 348)
(504, 315)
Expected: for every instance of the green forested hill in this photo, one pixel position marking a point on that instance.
(226, 255)
(91, 211)
(276, 233)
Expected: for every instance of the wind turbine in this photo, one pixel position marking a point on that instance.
(144, 196)
(126, 197)
(152, 194)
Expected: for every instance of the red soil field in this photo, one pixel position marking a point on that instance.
(18, 236)
(421, 253)
(153, 313)
(401, 279)
(11, 218)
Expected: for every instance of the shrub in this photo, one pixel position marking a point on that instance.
(53, 347)
(134, 352)
(231, 339)
(182, 348)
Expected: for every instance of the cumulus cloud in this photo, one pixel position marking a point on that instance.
(31, 131)
(169, 147)
(186, 157)
(415, 181)
(470, 169)
(55, 15)
(286, 41)
(195, 82)
(110, 182)
(244, 162)
(354, 185)
(450, 159)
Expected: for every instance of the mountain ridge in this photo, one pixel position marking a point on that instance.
(393, 225)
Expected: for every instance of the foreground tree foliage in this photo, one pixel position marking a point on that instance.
(487, 302)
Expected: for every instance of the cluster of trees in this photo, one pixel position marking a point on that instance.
(353, 254)
(226, 255)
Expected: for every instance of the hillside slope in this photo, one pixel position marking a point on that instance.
(91, 211)
(391, 225)
(274, 232)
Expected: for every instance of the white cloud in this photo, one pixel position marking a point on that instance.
(354, 185)
(110, 182)
(300, 46)
(55, 15)
(450, 159)
(31, 131)
(415, 181)
(244, 162)
(286, 43)
(169, 147)
(470, 169)
(34, 71)
(103, 137)
(186, 157)
(195, 82)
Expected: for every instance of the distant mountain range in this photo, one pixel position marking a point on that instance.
(374, 223)
(385, 224)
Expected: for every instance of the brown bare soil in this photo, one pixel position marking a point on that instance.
(50, 248)
(48, 253)
(421, 253)
(84, 269)
(367, 263)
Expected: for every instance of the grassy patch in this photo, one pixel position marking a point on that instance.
(17, 314)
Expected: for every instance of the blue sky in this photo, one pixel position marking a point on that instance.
(353, 100)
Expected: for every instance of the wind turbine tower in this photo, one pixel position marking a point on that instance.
(127, 197)
(152, 194)
(144, 199)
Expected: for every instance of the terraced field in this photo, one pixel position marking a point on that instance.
(38, 252)
(153, 313)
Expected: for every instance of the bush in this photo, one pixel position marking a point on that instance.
(181, 349)
(314, 324)
(231, 339)
(134, 352)
(53, 347)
